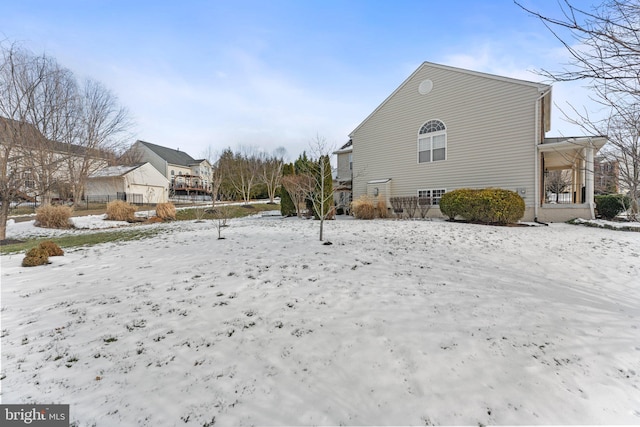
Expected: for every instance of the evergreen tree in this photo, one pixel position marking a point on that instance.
(306, 166)
(302, 164)
(324, 188)
(287, 207)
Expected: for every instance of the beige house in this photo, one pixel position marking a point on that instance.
(42, 170)
(140, 183)
(186, 175)
(446, 128)
(343, 178)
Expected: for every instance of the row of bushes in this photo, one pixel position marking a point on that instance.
(488, 205)
(58, 216)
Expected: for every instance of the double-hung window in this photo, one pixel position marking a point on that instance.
(431, 196)
(432, 142)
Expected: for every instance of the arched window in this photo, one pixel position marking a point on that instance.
(432, 142)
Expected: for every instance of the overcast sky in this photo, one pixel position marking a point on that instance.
(277, 73)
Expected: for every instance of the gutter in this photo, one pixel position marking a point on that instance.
(536, 183)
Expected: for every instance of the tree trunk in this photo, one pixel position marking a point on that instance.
(4, 215)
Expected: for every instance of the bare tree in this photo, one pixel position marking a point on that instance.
(604, 47)
(271, 171)
(298, 186)
(20, 80)
(241, 170)
(47, 90)
(100, 131)
(603, 44)
(217, 174)
(557, 182)
(321, 196)
(53, 132)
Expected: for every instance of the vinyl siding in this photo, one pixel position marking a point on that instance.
(343, 172)
(490, 135)
(147, 155)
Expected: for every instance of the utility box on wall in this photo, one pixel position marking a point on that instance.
(522, 192)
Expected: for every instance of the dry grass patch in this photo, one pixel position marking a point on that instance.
(381, 208)
(363, 207)
(166, 211)
(119, 210)
(49, 216)
(36, 256)
(51, 247)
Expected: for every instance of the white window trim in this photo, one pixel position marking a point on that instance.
(431, 190)
(430, 135)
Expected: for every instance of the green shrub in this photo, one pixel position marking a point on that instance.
(119, 210)
(36, 256)
(488, 205)
(49, 216)
(287, 207)
(453, 203)
(51, 247)
(611, 205)
(363, 207)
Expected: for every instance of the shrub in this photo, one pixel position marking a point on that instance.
(119, 210)
(453, 203)
(611, 205)
(489, 205)
(381, 208)
(397, 205)
(166, 211)
(363, 208)
(287, 206)
(49, 216)
(52, 248)
(500, 206)
(35, 256)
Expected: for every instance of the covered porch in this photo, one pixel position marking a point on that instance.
(566, 178)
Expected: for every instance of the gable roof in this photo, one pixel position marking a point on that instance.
(346, 148)
(540, 86)
(33, 139)
(175, 157)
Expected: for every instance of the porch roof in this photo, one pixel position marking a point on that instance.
(560, 153)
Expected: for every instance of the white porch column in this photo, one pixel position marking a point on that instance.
(589, 179)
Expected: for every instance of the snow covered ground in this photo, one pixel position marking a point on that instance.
(396, 323)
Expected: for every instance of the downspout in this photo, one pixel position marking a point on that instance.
(536, 184)
(589, 177)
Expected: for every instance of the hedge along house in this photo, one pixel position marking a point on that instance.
(445, 128)
(140, 183)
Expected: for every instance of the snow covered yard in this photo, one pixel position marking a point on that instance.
(397, 322)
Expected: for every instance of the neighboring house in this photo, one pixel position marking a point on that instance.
(607, 176)
(140, 183)
(186, 175)
(43, 170)
(446, 128)
(343, 178)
